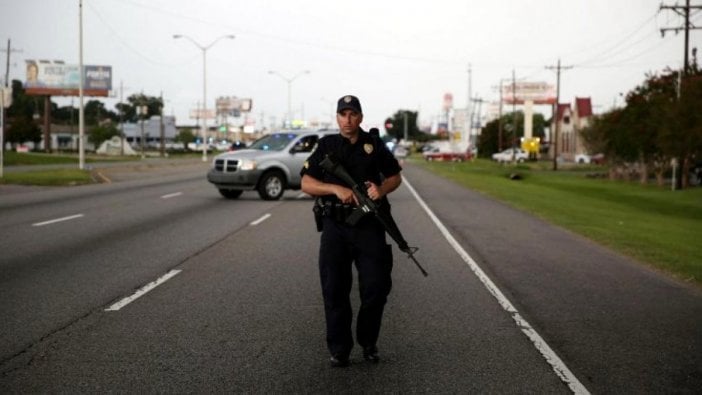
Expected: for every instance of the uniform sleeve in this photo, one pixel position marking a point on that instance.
(389, 165)
(311, 166)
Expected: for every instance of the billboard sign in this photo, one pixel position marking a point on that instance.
(537, 92)
(232, 105)
(59, 79)
(200, 113)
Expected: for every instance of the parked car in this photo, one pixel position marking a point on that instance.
(510, 154)
(449, 156)
(269, 165)
(597, 159)
(400, 152)
(237, 145)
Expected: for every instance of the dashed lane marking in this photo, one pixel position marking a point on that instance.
(171, 195)
(53, 221)
(143, 290)
(258, 221)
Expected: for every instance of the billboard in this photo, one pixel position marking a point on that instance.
(537, 92)
(59, 79)
(232, 105)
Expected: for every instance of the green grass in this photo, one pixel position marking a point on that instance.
(48, 177)
(12, 158)
(651, 224)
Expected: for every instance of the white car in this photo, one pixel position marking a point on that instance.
(510, 154)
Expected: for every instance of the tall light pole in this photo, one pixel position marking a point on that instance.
(81, 108)
(289, 81)
(204, 49)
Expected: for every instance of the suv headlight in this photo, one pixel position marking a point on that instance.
(247, 164)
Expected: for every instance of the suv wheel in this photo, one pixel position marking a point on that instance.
(271, 186)
(230, 193)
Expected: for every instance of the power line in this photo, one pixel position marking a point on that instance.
(684, 11)
(621, 42)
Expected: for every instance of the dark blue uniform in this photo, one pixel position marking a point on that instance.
(363, 244)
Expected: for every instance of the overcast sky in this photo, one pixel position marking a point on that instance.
(392, 54)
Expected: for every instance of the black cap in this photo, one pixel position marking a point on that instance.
(349, 102)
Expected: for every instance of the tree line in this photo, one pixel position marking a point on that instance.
(25, 113)
(660, 125)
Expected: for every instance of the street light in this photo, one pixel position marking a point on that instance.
(204, 49)
(289, 81)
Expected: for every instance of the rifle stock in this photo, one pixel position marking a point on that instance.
(368, 206)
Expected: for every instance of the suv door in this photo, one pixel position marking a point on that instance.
(299, 152)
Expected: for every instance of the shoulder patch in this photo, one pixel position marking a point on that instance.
(368, 148)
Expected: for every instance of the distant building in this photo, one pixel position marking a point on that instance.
(152, 131)
(572, 120)
(65, 137)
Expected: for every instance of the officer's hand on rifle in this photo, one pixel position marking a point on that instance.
(345, 195)
(373, 191)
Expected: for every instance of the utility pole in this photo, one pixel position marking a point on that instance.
(557, 125)
(684, 11)
(161, 130)
(121, 117)
(514, 115)
(9, 51)
(468, 126)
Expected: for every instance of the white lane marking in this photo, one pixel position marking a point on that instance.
(143, 290)
(53, 221)
(170, 195)
(258, 221)
(556, 363)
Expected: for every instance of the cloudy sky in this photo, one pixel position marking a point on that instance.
(393, 54)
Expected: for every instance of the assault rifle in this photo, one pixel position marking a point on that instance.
(368, 206)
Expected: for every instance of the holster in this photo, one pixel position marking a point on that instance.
(318, 210)
(336, 211)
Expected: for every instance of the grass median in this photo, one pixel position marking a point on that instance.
(655, 225)
(61, 176)
(56, 177)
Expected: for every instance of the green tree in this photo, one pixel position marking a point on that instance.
(22, 130)
(22, 105)
(395, 126)
(185, 136)
(488, 142)
(657, 124)
(96, 113)
(681, 133)
(99, 134)
(129, 110)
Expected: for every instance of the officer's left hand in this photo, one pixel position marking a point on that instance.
(373, 191)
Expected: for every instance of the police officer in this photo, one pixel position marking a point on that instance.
(367, 160)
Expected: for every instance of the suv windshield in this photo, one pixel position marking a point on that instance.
(273, 142)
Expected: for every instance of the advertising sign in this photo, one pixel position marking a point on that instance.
(59, 79)
(232, 105)
(537, 92)
(200, 113)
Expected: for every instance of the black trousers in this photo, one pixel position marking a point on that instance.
(340, 246)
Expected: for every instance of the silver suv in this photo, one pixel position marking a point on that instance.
(270, 165)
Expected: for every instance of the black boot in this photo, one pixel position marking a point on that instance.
(370, 354)
(339, 361)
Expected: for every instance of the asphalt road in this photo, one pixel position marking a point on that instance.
(242, 311)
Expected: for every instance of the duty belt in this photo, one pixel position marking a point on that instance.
(334, 210)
